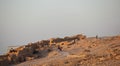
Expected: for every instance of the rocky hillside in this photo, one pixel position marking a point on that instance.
(77, 50)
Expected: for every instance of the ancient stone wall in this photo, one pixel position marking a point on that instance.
(32, 50)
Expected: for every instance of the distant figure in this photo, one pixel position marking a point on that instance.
(60, 48)
(96, 36)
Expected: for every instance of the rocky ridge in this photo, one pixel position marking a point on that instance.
(77, 50)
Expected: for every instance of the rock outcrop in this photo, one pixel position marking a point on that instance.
(68, 51)
(36, 50)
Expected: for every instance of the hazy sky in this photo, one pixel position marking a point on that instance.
(24, 21)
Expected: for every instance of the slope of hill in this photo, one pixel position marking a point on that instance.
(77, 50)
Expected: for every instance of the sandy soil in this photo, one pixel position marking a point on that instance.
(88, 52)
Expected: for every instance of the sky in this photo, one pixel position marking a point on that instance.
(25, 21)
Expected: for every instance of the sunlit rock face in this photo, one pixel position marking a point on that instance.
(78, 48)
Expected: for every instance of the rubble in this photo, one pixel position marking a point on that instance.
(81, 51)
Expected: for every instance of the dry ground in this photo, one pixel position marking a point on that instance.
(103, 51)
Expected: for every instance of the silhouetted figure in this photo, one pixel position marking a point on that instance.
(96, 36)
(60, 48)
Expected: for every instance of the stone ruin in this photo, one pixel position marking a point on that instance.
(36, 50)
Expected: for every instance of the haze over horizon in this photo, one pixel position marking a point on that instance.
(24, 21)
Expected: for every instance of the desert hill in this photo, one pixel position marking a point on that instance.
(77, 50)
